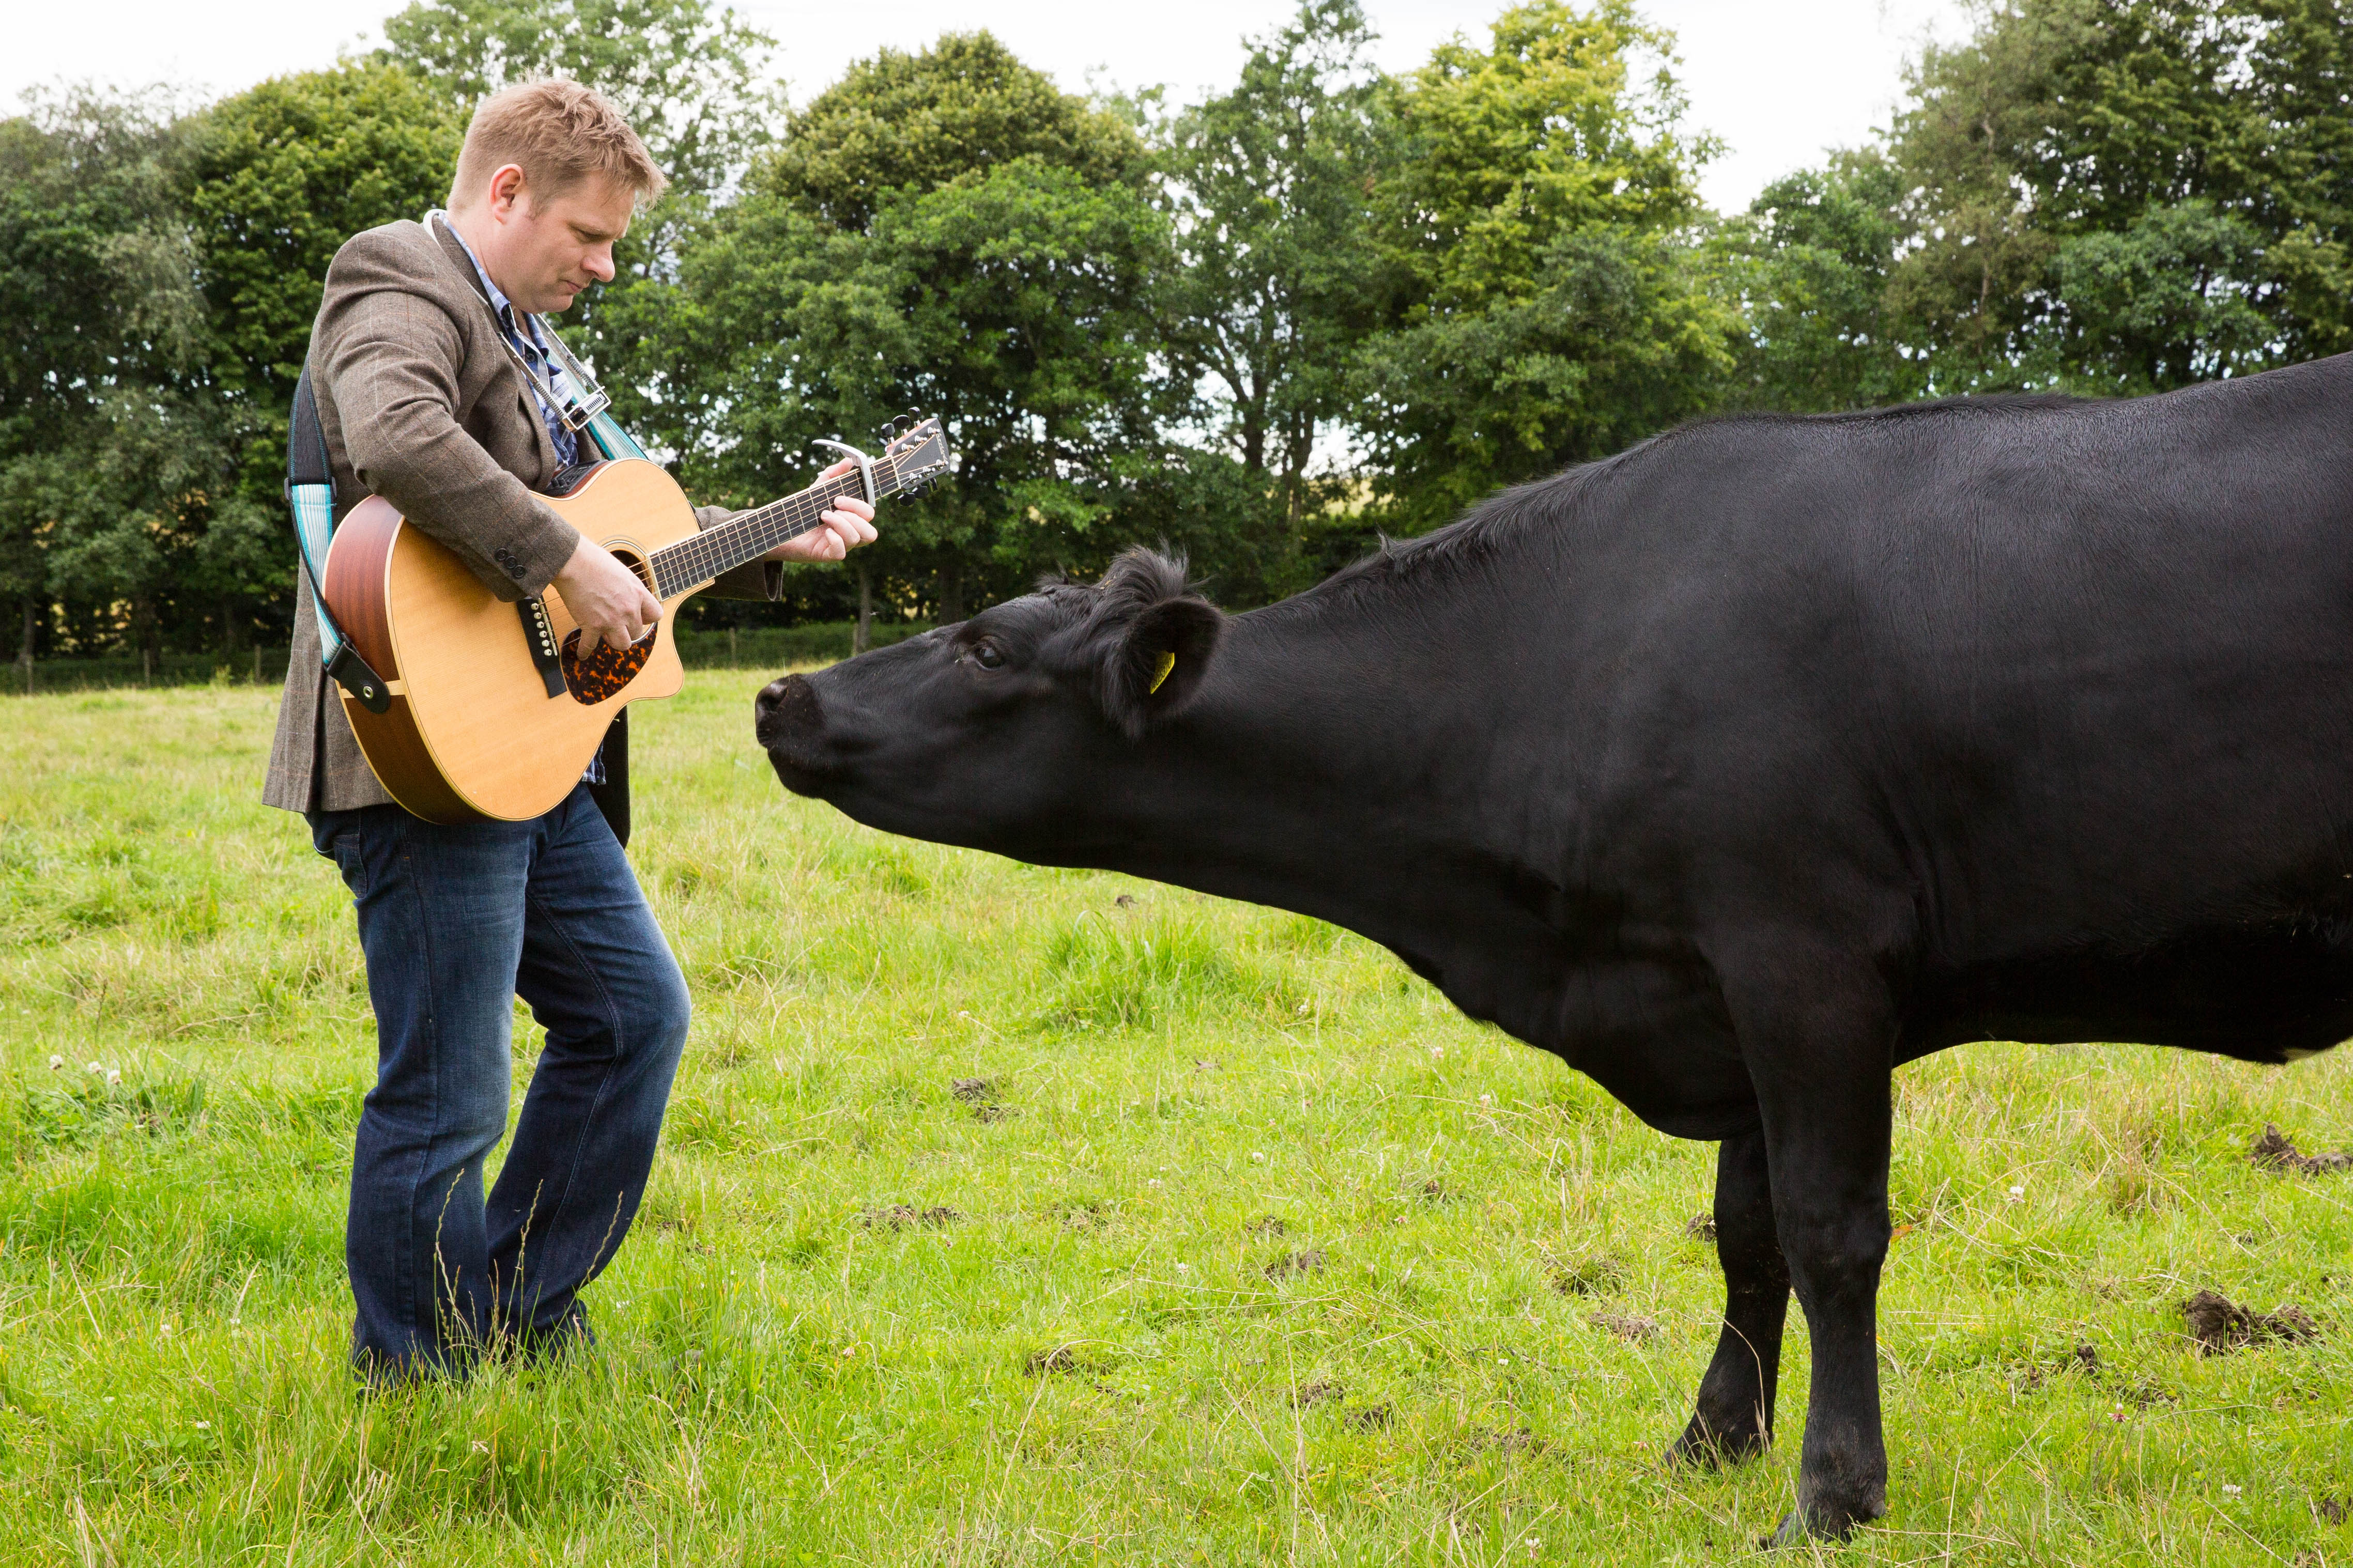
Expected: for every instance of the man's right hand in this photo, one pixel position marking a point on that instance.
(608, 600)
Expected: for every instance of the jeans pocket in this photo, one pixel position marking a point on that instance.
(336, 835)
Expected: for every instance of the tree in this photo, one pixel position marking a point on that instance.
(1811, 259)
(2125, 195)
(942, 231)
(1539, 222)
(688, 78)
(141, 511)
(1275, 281)
(279, 177)
(97, 306)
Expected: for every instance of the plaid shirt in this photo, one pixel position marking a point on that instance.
(523, 332)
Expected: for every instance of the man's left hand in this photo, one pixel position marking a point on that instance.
(848, 525)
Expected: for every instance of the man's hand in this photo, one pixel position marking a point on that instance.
(850, 524)
(605, 597)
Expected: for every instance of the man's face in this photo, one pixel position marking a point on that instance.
(543, 252)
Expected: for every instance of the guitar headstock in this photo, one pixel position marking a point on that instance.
(918, 452)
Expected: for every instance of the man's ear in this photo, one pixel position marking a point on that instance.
(1157, 664)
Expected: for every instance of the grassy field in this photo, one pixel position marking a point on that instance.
(1250, 1251)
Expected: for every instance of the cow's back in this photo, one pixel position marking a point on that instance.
(2055, 698)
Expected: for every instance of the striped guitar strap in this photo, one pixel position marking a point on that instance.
(311, 495)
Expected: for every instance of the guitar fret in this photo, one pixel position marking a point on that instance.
(716, 550)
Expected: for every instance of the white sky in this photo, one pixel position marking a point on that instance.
(1778, 80)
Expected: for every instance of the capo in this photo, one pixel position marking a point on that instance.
(865, 463)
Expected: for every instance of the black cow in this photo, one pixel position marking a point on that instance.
(1735, 771)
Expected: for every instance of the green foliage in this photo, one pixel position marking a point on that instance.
(281, 175)
(95, 290)
(2127, 196)
(910, 121)
(1812, 258)
(686, 77)
(1273, 284)
(97, 307)
(985, 258)
(1548, 309)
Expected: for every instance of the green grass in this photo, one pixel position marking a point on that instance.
(699, 648)
(1108, 1357)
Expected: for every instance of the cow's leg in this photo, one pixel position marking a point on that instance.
(1734, 1420)
(1817, 1029)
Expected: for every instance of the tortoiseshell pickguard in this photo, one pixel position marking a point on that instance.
(603, 673)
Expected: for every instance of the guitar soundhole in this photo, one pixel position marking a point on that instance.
(605, 672)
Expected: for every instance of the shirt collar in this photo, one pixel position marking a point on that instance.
(501, 306)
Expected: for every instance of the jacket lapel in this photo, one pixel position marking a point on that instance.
(462, 266)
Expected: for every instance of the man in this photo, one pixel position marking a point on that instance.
(415, 364)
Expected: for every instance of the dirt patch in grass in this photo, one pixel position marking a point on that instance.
(1296, 1263)
(906, 1216)
(1367, 1419)
(2273, 1152)
(1630, 1326)
(1700, 1227)
(1510, 1440)
(1067, 1360)
(1309, 1395)
(1267, 1225)
(2084, 1359)
(1597, 1276)
(2218, 1325)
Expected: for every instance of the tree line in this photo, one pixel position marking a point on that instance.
(1325, 304)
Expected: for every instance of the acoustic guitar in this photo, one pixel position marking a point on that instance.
(488, 711)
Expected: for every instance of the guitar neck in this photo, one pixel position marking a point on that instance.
(750, 536)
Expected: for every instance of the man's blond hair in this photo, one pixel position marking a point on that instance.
(561, 133)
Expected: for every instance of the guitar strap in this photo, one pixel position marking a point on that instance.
(311, 495)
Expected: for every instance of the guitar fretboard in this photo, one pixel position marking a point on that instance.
(747, 537)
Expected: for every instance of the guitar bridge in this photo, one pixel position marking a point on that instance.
(540, 636)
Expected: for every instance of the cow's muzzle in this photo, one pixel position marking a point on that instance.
(789, 723)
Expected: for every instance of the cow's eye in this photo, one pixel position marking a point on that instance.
(985, 654)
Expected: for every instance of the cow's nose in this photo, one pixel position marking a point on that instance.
(784, 705)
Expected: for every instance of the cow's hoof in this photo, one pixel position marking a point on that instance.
(1820, 1521)
(1705, 1447)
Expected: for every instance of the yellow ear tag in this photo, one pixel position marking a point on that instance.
(1168, 663)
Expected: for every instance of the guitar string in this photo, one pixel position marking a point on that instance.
(708, 554)
(705, 555)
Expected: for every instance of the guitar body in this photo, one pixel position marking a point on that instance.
(471, 733)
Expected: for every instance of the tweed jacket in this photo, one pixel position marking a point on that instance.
(421, 405)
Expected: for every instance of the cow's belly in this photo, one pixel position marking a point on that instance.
(1655, 1034)
(2265, 993)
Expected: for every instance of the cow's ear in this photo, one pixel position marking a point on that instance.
(1157, 663)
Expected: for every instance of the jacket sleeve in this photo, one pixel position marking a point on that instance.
(754, 579)
(392, 357)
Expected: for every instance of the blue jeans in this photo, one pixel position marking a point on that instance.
(454, 923)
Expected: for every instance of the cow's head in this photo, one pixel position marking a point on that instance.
(994, 733)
